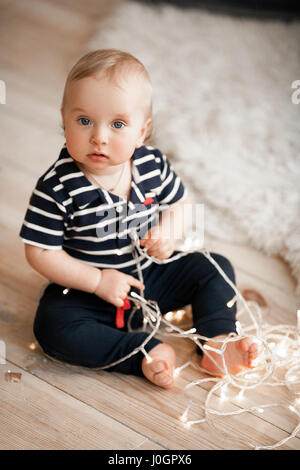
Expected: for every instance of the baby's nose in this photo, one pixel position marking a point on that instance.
(100, 136)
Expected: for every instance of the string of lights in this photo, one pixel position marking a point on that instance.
(277, 365)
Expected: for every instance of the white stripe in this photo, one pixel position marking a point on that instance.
(43, 195)
(167, 181)
(118, 251)
(50, 174)
(63, 160)
(47, 214)
(58, 187)
(67, 201)
(144, 159)
(97, 225)
(140, 214)
(135, 174)
(89, 238)
(173, 192)
(138, 192)
(38, 228)
(47, 247)
(154, 192)
(70, 176)
(115, 266)
(102, 207)
(107, 197)
(48, 198)
(83, 189)
(143, 266)
(149, 175)
(164, 172)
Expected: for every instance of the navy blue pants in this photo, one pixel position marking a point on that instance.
(79, 328)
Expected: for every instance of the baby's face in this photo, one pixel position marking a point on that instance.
(104, 123)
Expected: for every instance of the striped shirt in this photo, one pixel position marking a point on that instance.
(66, 211)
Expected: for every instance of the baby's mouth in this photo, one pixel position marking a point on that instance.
(97, 153)
(99, 156)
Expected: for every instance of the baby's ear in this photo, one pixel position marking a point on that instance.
(62, 118)
(144, 131)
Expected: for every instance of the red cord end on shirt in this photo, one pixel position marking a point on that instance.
(148, 201)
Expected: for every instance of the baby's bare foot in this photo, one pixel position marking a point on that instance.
(160, 370)
(238, 355)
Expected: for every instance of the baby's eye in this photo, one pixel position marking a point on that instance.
(118, 124)
(84, 121)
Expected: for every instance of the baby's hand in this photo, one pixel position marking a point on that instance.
(157, 245)
(115, 285)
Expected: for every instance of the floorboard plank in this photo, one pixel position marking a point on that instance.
(37, 415)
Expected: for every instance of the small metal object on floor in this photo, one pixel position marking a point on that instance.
(13, 376)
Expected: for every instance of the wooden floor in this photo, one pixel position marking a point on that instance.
(54, 406)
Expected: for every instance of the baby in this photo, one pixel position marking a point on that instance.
(77, 233)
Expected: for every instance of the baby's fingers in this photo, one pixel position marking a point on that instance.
(161, 251)
(119, 302)
(135, 282)
(147, 243)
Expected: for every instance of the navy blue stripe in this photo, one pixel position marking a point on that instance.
(35, 236)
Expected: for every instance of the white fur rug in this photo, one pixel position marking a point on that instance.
(223, 114)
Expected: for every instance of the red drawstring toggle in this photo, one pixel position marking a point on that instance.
(148, 201)
(120, 323)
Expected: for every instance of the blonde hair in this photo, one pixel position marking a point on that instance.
(112, 64)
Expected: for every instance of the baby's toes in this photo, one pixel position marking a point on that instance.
(244, 345)
(162, 375)
(164, 380)
(253, 351)
(159, 366)
(253, 355)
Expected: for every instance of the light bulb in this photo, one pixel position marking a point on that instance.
(223, 393)
(187, 425)
(238, 327)
(183, 417)
(255, 362)
(179, 314)
(281, 349)
(231, 302)
(169, 316)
